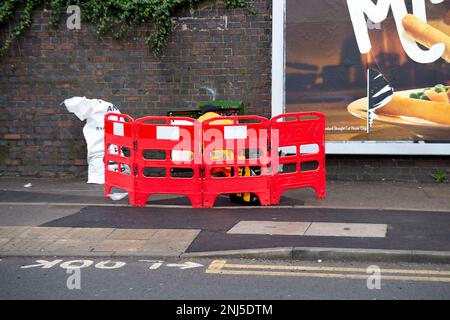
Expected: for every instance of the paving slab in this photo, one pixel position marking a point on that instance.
(70, 246)
(310, 229)
(26, 245)
(91, 241)
(120, 245)
(12, 231)
(132, 234)
(88, 233)
(45, 233)
(4, 241)
(363, 230)
(173, 242)
(177, 235)
(270, 228)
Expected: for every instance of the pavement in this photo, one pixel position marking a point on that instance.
(387, 221)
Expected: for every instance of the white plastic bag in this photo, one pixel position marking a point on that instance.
(117, 196)
(93, 111)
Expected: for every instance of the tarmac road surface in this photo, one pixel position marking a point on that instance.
(133, 278)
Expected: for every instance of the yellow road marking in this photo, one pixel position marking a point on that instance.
(216, 265)
(221, 267)
(325, 275)
(308, 268)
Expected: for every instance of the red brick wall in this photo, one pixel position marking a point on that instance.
(386, 168)
(229, 50)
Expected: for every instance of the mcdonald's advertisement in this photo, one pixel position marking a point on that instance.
(378, 70)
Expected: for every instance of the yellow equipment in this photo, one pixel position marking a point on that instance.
(224, 155)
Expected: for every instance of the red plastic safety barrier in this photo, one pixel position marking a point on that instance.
(231, 146)
(119, 154)
(245, 155)
(168, 158)
(301, 146)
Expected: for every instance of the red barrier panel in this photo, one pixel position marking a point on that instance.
(301, 142)
(168, 158)
(227, 155)
(231, 146)
(119, 154)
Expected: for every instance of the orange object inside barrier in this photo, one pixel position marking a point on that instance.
(239, 155)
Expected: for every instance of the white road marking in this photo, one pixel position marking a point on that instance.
(155, 264)
(44, 264)
(186, 265)
(74, 264)
(109, 265)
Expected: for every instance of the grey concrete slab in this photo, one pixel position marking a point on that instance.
(362, 230)
(66, 241)
(172, 242)
(30, 246)
(176, 234)
(45, 232)
(270, 228)
(70, 246)
(3, 241)
(88, 233)
(120, 245)
(12, 231)
(310, 229)
(132, 234)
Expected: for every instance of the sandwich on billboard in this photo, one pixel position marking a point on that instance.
(379, 71)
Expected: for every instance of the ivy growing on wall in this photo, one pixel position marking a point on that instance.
(115, 16)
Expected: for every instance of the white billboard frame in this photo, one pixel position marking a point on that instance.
(335, 147)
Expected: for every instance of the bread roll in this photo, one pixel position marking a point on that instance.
(425, 34)
(437, 112)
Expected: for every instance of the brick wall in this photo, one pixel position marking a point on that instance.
(386, 168)
(228, 50)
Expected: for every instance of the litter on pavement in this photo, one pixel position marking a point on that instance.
(117, 196)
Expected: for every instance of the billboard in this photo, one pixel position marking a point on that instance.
(331, 45)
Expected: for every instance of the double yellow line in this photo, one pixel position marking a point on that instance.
(221, 267)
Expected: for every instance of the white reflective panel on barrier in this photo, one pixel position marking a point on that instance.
(235, 132)
(118, 129)
(167, 133)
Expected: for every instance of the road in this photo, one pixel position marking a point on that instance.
(131, 278)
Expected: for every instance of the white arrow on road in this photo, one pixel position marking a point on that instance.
(186, 265)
